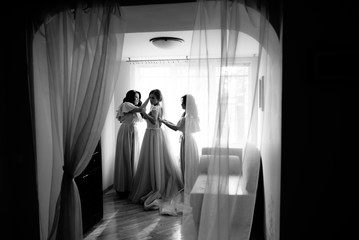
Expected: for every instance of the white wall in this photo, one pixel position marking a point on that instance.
(270, 130)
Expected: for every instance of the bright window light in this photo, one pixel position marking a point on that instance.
(172, 79)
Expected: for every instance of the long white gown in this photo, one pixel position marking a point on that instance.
(158, 177)
(127, 148)
(189, 154)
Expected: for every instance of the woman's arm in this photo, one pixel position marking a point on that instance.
(143, 106)
(169, 124)
(149, 117)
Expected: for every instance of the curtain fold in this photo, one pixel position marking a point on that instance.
(76, 66)
(235, 125)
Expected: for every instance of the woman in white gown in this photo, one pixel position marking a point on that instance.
(128, 144)
(158, 177)
(188, 124)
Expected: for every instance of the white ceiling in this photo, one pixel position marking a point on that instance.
(144, 22)
(137, 45)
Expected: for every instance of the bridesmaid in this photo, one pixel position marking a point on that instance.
(127, 148)
(187, 125)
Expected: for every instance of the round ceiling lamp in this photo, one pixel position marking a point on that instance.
(166, 42)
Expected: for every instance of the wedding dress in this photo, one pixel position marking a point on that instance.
(158, 177)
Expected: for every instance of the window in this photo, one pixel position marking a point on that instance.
(174, 81)
(237, 80)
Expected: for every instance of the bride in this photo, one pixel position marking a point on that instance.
(158, 178)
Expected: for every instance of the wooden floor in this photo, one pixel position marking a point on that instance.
(123, 220)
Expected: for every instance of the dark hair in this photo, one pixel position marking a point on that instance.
(184, 99)
(139, 99)
(191, 107)
(157, 94)
(130, 97)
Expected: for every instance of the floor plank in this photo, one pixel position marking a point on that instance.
(123, 220)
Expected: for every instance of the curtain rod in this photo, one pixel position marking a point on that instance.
(158, 60)
(169, 60)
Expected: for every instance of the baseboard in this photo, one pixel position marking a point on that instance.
(106, 190)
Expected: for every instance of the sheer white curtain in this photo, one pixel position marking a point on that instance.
(239, 124)
(75, 68)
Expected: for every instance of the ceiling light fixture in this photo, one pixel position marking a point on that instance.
(166, 42)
